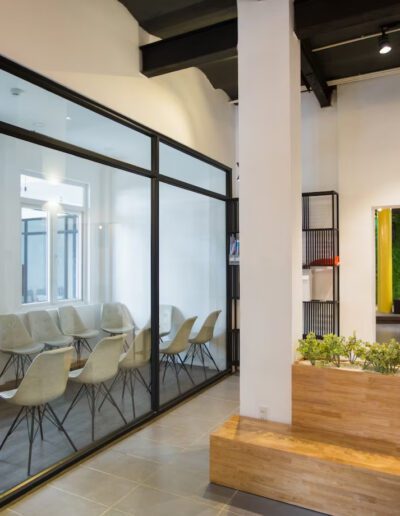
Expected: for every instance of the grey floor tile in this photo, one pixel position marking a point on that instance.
(138, 446)
(145, 501)
(49, 501)
(244, 504)
(94, 485)
(193, 484)
(123, 466)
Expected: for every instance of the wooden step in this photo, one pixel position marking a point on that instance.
(333, 474)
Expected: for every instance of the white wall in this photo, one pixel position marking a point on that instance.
(354, 147)
(92, 47)
(319, 145)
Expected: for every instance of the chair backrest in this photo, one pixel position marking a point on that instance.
(70, 321)
(206, 332)
(139, 352)
(165, 319)
(115, 315)
(46, 378)
(103, 361)
(42, 326)
(180, 342)
(13, 334)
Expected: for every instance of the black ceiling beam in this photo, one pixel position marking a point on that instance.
(313, 77)
(192, 17)
(214, 43)
(313, 17)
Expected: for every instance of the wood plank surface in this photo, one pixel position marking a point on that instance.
(311, 469)
(355, 403)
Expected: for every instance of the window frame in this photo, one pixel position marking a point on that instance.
(52, 257)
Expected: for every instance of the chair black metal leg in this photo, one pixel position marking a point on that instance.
(117, 376)
(40, 417)
(124, 379)
(113, 402)
(188, 354)
(31, 435)
(92, 402)
(86, 345)
(7, 365)
(141, 378)
(59, 425)
(13, 426)
(73, 403)
(203, 362)
(132, 387)
(167, 363)
(173, 360)
(185, 368)
(208, 353)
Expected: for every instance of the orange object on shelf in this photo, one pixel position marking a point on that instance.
(326, 261)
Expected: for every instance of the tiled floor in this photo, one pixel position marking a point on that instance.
(161, 470)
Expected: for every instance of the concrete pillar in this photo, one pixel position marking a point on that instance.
(270, 205)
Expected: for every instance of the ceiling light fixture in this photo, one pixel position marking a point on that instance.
(384, 43)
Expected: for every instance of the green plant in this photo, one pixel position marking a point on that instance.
(353, 348)
(383, 358)
(333, 348)
(310, 348)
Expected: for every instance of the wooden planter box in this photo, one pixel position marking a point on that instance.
(351, 402)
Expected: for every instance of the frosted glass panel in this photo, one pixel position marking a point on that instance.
(182, 166)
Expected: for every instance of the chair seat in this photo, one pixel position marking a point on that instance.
(7, 395)
(59, 341)
(88, 334)
(26, 350)
(132, 363)
(118, 331)
(73, 375)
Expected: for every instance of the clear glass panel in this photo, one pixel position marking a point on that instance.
(97, 248)
(33, 108)
(34, 255)
(52, 190)
(179, 165)
(69, 256)
(192, 284)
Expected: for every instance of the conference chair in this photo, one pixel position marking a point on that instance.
(101, 366)
(170, 353)
(45, 380)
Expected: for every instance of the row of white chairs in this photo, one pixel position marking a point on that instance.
(20, 342)
(47, 376)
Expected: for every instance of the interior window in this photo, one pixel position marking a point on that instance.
(52, 216)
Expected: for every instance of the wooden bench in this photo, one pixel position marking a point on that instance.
(330, 473)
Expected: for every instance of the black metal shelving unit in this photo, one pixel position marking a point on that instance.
(234, 279)
(321, 250)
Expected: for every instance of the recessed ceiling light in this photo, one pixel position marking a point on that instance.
(67, 118)
(384, 44)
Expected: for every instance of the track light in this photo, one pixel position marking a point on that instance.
(384, 43)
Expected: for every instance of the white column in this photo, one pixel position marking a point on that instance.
(270, 205)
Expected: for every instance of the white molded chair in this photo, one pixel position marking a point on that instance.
(45, 381)
(73, 326)
(171, 352)
(198, 342)
(138, 355)
(16, 342)
(102, 365)
(43, 329)
(165, 320)
(116, 319)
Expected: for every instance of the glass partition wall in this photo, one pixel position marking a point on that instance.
(113, 276)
